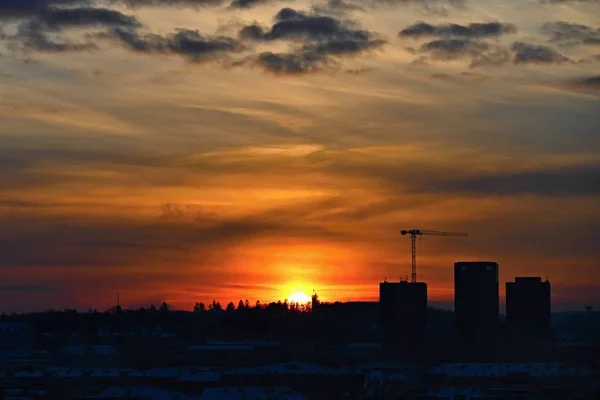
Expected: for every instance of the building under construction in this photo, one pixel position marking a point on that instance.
(403, 318)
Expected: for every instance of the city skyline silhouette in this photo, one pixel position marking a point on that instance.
(189, 150)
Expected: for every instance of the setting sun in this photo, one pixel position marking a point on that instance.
(299, 297)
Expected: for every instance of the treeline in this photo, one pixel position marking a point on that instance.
(279, 306)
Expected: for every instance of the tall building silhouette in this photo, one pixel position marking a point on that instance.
(528, 306)
(476, 298)
(403, 318)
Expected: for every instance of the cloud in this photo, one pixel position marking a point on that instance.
(33, 39)
(571, 34)
(297, 25)
(162, 240)
(574, 180)
(474, 30)
(590, 83)
(40, 32)
(568, 1)
(295, 63)
(480, 53)
(337, 7)
(26, 8)
(86, 17)
(527, 53)
(344, 46)
(196, 4)
(323, 36)
(185, 42)
(244, 4)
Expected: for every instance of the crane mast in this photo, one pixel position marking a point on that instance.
(413, 244)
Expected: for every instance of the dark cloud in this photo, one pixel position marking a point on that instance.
(581, 179)
(26, 8)
(480, 53)
(294, 63)
(244, 4)
(164, 240)
(297, 25)
(85, 17)
(576, 180)
(338, 7)
(324, 37)
(590, 83)
(185, 42)
(40, 32)
(568, 1)
(527, 53)
(344, 46)
(195, 4)
(34, 39)
(571, 34)
(474, 30)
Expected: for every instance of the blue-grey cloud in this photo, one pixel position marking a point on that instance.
(297, 25)
(479, 53)
(571, 34)
(85, 17)
(294, 63)
(528, 53)
(37, 40)
(576, 180)
(245, 4)
(474, 30)
(193, 4)
(173, 239)
(323, 38)
(34, 32)
(191, 44)
(26, 8)
(589, 83)
(337, 7)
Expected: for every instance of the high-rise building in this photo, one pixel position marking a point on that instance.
(528, 306)
(403, 316)
(476, 298)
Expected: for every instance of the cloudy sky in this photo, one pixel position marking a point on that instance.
(190, 150)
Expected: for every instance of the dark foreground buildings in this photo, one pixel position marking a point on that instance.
(528, 306)
(476, 299)
(403, 313)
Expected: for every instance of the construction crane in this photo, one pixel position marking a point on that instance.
(413, 241)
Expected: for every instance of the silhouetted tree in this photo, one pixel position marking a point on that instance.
(199, 307)
(230, 307)
(152, 308)
(241, 305)
(164, 308)
(258, 306)
(215, 306)
(247, 304)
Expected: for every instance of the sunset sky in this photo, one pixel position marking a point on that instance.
(190, 150)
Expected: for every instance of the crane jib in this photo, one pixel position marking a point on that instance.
(419, 232)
